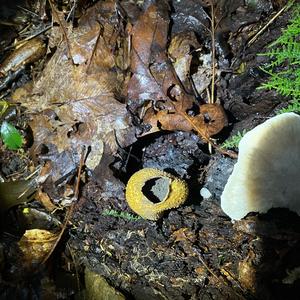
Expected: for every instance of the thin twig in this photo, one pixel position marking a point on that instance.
(213, 62)
(72, 12)
(37, 33)
(28, 11)
(75, 267)
(254, 38)
(206, 265)
(19, 43)
(64, 32)
(208, 94)
(101, 30)
(213, 54)
(71, 208)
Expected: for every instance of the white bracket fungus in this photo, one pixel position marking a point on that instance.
(267, 173)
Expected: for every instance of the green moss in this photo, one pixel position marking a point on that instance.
(120, 214)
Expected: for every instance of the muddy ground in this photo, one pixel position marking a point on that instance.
(194, 251)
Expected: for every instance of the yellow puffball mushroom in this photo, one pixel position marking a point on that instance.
(170, 191)
(267, 173)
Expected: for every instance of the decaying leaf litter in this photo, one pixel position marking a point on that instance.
(128, 86)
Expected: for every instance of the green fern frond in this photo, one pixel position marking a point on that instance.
(294, 106)
(285, 52)
(291, 31)
(233, 142)
(284, 83)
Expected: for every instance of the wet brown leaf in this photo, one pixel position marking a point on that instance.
(74, 106)
(154, 78)
(35, 245)
(210, 121)
(247, 273)
(149, 39)
(45, 200)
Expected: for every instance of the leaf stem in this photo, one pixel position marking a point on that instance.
(213, 54)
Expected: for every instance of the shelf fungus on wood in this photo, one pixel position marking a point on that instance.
(150, 192)
(267, 173)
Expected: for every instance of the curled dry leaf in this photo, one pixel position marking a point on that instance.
(210, 121)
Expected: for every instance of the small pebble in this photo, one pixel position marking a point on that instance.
(205, 193)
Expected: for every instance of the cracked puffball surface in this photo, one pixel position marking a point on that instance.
(267, 173)
(170, 191)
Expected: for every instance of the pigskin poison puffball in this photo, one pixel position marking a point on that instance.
(267, 173)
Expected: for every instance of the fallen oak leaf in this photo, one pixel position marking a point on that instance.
(72, 106)
(153, 73)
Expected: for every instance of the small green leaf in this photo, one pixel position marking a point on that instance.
(11, 136)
